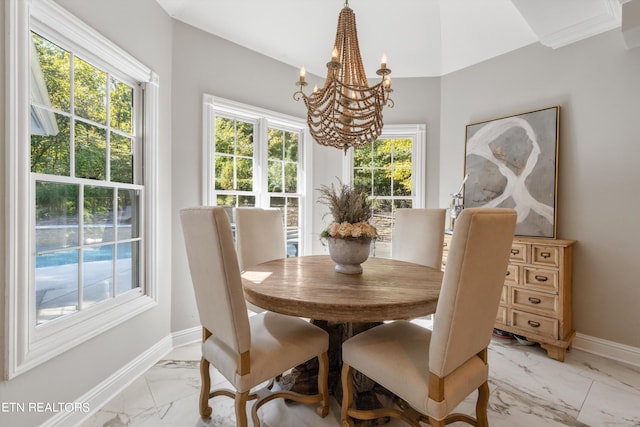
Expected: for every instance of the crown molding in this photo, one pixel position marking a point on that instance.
(631, 23)
(609, 19)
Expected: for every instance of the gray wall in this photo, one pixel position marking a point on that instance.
(207, 64)
(596, 83)
(143, 29)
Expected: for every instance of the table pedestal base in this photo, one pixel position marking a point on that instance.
(304, 378)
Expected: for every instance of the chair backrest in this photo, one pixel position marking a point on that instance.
(259, 236)
(471, 287)
(418, 235)
(216, 276)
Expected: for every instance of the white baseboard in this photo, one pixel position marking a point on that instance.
(100, 395)
(609, 349)
(187, 336)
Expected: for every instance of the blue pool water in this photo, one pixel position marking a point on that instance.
(99, 253)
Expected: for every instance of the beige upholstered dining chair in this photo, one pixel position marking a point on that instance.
(259, 236)
(432, 372)
(418, 235)
(246, 351)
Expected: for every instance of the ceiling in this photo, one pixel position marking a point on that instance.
(421, 38)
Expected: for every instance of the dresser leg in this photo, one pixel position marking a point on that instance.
(554, 351)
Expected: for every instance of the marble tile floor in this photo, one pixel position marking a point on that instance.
(527, 389)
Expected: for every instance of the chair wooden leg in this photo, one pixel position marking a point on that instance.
(436, 423)
(482, 404)
(241, 409)
(205, 379)
(347, 396)
(323, 384)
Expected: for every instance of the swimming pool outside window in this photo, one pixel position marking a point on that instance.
(87, 190)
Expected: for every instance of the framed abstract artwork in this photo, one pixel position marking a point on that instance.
(512, 162)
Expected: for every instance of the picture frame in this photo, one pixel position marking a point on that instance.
(512, 162)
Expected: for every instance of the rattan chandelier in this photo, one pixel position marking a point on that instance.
(346, 112)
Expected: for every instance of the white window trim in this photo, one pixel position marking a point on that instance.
(418, 175)
(26, 348)
(264, 119)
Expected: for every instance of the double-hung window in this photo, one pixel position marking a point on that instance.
(254, 158)
(390, 170)
(85, 175)
(82, 128)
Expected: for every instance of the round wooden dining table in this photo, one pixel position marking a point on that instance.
(343, 305)
(309, 286)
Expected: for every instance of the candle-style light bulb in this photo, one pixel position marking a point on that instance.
(315, 88)
(334, 54)
(303, 72)
(383, 61)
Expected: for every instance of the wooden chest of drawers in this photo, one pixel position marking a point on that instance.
(536, 298)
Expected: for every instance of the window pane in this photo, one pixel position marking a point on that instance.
(90, 151)
(281, 204)
(275, 144)
(277, 202)
(291, 177)
(244, 140)
(98, 214)
(127, 276)
(56, 215)
(402, 150)
(121, 158)
(402, 181)
(128, 214)
(225, 135)
(401, 204)
(224, 172)
(97, 274)
(362, 156)
(51, 75)
(291, 146)
(275, 176)
(382, 152)
(121, 106)
(292, 211)
(362, 180)
(247, 201)
(90, 96)
(228, 200)
(382, 182)
(51, 147)
(382, 220)
(244, 174)
(56, 285)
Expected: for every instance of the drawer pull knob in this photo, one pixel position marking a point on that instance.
(533, 300)
(545, 254)
(508, 273)
(541, 278)
(533, 324)
(515, 251)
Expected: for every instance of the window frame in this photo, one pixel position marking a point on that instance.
(416, 132)
(28, 345)
(262, 119)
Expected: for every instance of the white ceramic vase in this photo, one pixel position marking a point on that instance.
(348, 254)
